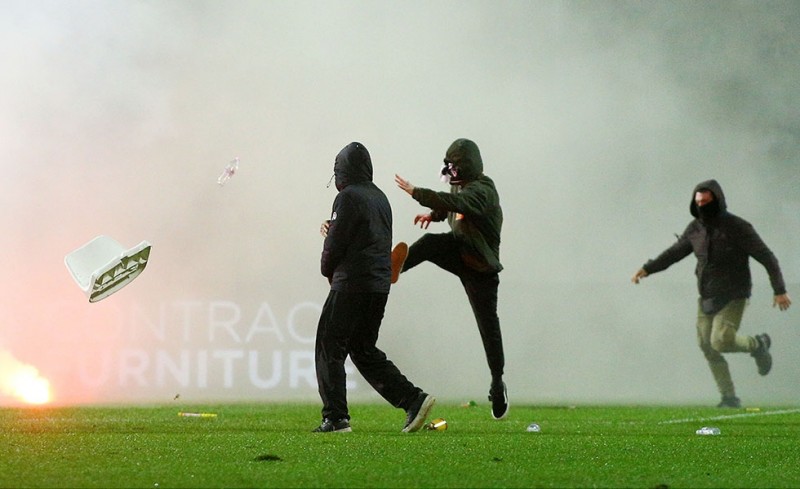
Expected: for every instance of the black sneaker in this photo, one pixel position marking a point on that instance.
(498, 396)
(333, 426)
(762, 354)
(418, 412)
(729, 402)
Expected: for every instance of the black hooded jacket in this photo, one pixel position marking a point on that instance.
(723, 244)
(356, 254)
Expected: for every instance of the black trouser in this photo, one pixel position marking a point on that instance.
(481, 288)
(349, 324)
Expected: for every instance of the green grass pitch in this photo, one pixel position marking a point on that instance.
(270, 445)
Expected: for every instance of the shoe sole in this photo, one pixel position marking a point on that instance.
(505, 413)
(508, 406)
(764, 363)
(764, 359)
(399, 255)
(422, 415)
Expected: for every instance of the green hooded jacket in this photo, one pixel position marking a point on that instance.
(472, 208)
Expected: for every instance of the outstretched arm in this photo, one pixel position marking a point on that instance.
(754, 246)
(675, 253)
(424, 220)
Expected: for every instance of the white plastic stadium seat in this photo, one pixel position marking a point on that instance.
(102, 266)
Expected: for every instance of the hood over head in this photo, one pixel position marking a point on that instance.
(353, 165)
(715, 207)
(462, 162)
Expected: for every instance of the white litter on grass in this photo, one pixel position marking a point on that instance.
(533, 428)
(709, 431)
(103, 266)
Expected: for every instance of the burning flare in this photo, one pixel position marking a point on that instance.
(22, 381)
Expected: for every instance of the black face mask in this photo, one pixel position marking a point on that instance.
(708, 211)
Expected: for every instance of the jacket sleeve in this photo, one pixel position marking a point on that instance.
(471, 200)
(753, 245)
(438, 215)
(334, 248)
(675, 253)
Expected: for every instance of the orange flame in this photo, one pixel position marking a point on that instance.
(22, 381)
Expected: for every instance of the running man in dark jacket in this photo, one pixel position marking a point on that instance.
(356, 260)
(723, 244)
(471, 250)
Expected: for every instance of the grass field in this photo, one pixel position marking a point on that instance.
(270, 445)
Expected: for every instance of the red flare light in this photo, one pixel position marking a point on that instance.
(22, 381)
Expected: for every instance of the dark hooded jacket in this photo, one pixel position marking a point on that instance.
(356, 254)
(472, 208)
(723, 244)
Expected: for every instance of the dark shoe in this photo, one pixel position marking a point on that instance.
(730, 402)
(399, 255)
(333, 426)
(418, 412)
(498, 395)
(762, 354)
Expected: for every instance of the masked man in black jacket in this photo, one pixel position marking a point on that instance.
(471, 250)
(723, 244)
(356, 259)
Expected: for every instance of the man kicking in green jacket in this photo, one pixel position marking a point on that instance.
(471, 250)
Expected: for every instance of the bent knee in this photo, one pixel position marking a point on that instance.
(722, 345)
(711, 353)
(724, 340)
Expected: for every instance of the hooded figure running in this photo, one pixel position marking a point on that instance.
(723, 244)
(356, 259)
(471, 250)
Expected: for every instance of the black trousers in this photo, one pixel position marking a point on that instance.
(481, 288)
(349, 325)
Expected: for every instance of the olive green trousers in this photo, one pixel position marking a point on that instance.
(719, 333)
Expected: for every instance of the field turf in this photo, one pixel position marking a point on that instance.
(270, 445)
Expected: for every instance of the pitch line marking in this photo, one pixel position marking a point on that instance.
(731, 416)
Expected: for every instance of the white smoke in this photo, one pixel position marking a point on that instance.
(595, 119)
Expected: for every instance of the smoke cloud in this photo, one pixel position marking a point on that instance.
(595, 119)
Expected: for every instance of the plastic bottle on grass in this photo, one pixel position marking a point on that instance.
(708, 430)
(534, 428)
